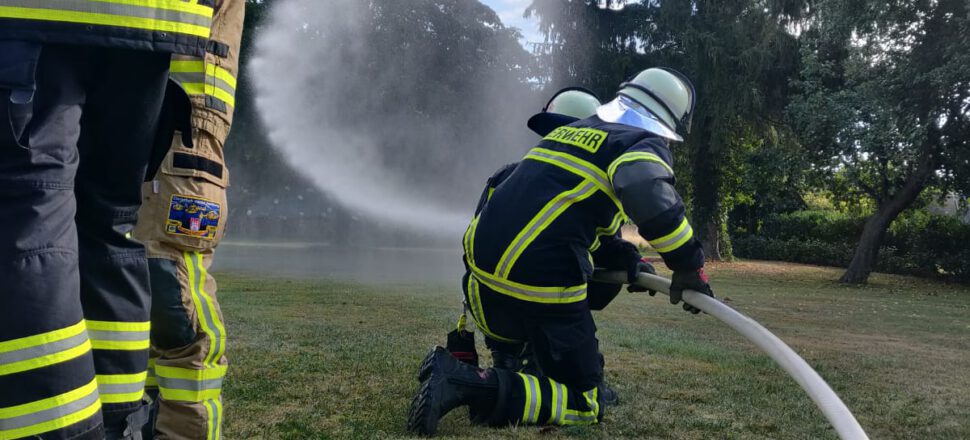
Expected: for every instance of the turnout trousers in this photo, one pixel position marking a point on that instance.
(563, 387)
(181, 222)
(74, 298)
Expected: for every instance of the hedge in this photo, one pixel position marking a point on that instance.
(917, 243)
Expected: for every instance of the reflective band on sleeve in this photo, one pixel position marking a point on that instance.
(45, 349)
(53, 413)
(525, 292)
(549, 213)
(578, 167)
(121, 388)
(190, 385)
(637, 156)
(199, 78)
(175, 16)
(674, 240)
(114, 335)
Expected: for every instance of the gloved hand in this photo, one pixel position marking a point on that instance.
(694, 280)
(634, 269)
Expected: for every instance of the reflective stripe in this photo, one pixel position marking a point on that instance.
(576, 166)
(151, 380)
(190, 385)
(614, 226)
(636, 156)
(558, 408)
(540, 222)
(115, 335)
(470, 240)
(574, 417)
(205, 309)
(674, 240)
(45, 349)
(50, 414)
(533, 399)
(121, 388)
(177, 16)
(525, 292)
(213, 409)
(478, 312)
(199, 78)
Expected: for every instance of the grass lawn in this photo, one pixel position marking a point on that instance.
(318, 359)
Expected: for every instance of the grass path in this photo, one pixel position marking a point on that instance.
(317, 359)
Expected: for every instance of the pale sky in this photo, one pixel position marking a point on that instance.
(510, 11)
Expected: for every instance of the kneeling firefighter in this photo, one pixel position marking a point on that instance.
(528, 255)
(565, 107)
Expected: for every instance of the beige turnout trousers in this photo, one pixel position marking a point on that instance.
(182, 219)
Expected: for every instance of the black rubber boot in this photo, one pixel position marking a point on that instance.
(450, 383)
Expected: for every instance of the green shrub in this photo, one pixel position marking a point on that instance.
(918, 243)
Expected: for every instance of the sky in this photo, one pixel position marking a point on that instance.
(510, 11)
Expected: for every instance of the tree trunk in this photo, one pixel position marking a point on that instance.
(867, 251)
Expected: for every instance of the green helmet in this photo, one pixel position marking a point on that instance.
(577, 102)
(566, 106)
(659, 100)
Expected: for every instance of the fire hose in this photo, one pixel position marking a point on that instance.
(832, 407)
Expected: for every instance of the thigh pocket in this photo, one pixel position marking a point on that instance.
(192, 188)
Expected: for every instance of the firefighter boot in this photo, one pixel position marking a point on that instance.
(450, 383)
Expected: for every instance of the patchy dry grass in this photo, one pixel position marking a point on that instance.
(314, 359)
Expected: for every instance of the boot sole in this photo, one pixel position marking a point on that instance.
(420, 419)
(424, 372)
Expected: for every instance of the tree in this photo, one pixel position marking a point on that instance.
(884, 105)
(739, 54)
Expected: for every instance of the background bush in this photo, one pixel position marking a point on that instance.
(918, 243)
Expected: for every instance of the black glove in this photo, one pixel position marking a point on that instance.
(633, 271)
(694, 280)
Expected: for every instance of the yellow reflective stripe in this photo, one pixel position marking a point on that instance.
(190, 7)
(121, 388)
(198, 66)
(637, 156)
(673, 240)
(50, 414)
(216, 372)
(549, 213)
(554, 405)
(213, 409)
(211, 90)
(470, 240)
(490, 192)
(525, 292)
(188, 395)
(116, 326)
(478, 312)
(576, 166)
(42, 350)
(204, 309)
(104, 19)
(614, 226)
(41, 339)
(214, 356)
(120, 345)
(200, 78)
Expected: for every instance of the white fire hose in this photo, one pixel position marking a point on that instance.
(831, 405)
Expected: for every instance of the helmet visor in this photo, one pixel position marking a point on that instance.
(626, 111)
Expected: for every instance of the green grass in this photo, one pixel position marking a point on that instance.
(316, 359)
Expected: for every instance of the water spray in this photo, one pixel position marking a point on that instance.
(832, 407)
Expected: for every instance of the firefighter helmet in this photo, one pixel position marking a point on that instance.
(565, 107)
(659, 100)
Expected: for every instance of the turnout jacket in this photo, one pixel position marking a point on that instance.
(177, 26)
(540, 221)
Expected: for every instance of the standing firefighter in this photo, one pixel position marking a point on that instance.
(529, 256)
(81, 89)
(181, 222)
